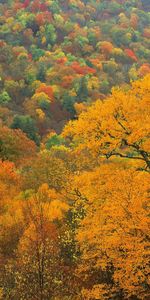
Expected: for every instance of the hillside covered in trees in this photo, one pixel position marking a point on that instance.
(75, 150)
(57, 57)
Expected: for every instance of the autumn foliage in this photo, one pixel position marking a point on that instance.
(75, 218)
(43, 43)
(74, 150)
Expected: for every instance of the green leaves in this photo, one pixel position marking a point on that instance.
(27, 125)
(4, 98)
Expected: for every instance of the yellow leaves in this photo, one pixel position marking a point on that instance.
(42, 29)
(133, 73)
(142, 86)
(146, 145)
(110, 209)
(41, 96)
(29, 235)
(116, 223)
(59, 53)
(17, 27)
(22, 55)
(98, 292)
(120, 124)
(80, 107)
(117, 51)
(128, 35)
(56, 89)
(59, 20)
(35, 84)
(10, 21)
(43, 40)
(57, 210)
(43, 192)
(73, 93)
(93, 83)
(49, 202)
(50, 74)
(1, 293)
(40, 114)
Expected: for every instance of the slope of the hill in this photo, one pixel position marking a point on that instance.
(75, 218)
(59, 56)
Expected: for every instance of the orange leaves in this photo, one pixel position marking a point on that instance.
(82, 70)
(134, 21)
(80, 107)
(105, 47)
(48, 90)
(61, 60)
(144, 70)
(146, 33)
(10, 209)
(67, 81)
(43, 17)
(7, 171)
(80, 227)
(97, 63)
(15, 146)
(10, 182)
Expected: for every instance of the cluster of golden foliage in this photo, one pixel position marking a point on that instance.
(118, 126)
(75, 219)
(112, 198)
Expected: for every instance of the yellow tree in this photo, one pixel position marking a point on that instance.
(118, 126)
(39, 267)
(111, 196)
(112, 212)
(46, 168)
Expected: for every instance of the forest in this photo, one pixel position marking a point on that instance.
(74, 149)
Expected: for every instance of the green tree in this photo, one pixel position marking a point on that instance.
(4, 98)
(27, 125)
(82, 92)
(55, 140)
